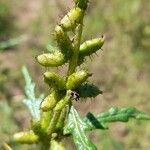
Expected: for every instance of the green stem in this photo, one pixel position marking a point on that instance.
(51, 128)
(56, 114)
(61, 120)
(45, 145)
(74, 58)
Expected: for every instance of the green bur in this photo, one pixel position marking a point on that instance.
(26, 137)
(54, 80)
(51, 59)
(63, 41)
(76, 79)
(70, 21)
(91, 46)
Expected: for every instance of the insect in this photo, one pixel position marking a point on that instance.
(74, 96)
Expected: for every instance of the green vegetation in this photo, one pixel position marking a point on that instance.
(121, 70)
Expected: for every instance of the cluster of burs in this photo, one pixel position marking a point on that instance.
(55, 107)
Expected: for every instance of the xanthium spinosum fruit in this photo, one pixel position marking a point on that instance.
(51, 59)
(26, 137)
(45, 119)
(54, 80)
(49, 102)
(63, 40)
(76, 79)
(91, 46)
(70, 20)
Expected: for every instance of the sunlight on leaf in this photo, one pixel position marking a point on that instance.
(76, 127)
(31, 101)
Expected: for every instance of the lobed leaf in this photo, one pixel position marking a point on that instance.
(76, 126)
(88, 90)
(31, 101)
(114, 114)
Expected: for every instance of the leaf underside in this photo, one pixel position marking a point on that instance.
(31, 101)
(76, 127)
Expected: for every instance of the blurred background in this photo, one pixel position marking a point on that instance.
(121, 70)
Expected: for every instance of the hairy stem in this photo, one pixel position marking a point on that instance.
(77, 41)
(56, 113)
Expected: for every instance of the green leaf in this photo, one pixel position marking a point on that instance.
(76, 126)
(31, 101)
(88, 90)
(114, 114)
(12, 42)
(93, 123)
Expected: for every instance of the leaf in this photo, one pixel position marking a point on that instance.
(114, 114)
(88, 90)
(31, 101)
(76, 126)
(93, 123)
(12, 42)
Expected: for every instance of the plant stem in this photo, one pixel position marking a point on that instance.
(77, 40)
(53, 122)
(45, 145)
(56, 113)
